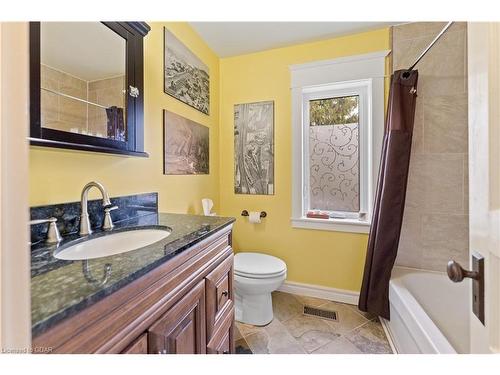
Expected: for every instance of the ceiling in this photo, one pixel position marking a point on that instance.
(235, 38)
(87, 50)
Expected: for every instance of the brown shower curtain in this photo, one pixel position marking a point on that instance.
(390, 197)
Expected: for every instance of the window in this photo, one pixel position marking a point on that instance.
(333, 155)
(338, 127)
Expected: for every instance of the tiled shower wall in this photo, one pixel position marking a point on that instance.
(435, 226)
(107, 92)
(59, 112)
(62, 113)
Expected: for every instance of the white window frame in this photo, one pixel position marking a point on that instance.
(362, 89)
(361, 75)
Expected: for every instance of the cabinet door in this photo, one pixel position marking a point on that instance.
(222, 341)
(219, 289)
(139, 346)
(181, 330)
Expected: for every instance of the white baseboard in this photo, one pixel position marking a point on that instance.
(332, 294)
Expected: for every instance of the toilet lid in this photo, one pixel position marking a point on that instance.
(258, 265)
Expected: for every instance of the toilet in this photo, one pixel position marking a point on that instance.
(256, 275)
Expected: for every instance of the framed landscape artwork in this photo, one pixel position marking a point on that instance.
(186, 146)
(254, 148)
(187, 78)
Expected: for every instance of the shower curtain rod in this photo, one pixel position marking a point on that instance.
(430, 45)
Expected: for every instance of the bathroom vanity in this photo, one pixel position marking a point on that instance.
(173, 296)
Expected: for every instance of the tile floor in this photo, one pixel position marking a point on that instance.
(291, 332)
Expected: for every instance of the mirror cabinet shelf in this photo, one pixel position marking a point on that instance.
(86, 86)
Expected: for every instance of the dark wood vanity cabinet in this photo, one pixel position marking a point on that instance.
(202, 321)
(139, 346)
(181, 330)
(222, 341)
(184, 306)
(219, 295)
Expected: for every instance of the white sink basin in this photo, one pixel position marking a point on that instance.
(112, 244)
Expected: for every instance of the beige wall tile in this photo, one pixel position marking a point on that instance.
(63, 113)
(446, 238)
(77, 92)
(410, 30)
(417, 144)
(405, 52)
(466, 183)
(107, 92)
(47, 72)
(59, 125)
(49, 105)
(438, 179)
(47, 82)
(445, 124)
(443, 183)
(444, 67)
(410, 244)
(58, 112)
(415, 190)
(73, 112)
(108, 82)
(73, 86)
(109, 97)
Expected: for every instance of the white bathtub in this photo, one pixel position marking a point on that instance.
(429, 313)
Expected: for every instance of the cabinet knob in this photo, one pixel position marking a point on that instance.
(225, 293)
(133, 91)
(225, 352)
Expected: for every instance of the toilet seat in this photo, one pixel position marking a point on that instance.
(258, 266)
(253, 276)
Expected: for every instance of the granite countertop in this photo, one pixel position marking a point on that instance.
(60, 289)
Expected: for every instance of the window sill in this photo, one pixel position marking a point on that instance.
(335, 225)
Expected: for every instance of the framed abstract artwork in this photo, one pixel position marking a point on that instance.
(186, 77)
(254, 148)
(186, 146)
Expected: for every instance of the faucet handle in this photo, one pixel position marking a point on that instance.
(42, 221)
(53, 235)
(108, 222)
(110, 208)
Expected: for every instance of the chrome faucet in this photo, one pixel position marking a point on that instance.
(84, 216)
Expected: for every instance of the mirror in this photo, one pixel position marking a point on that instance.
(82, 79)
(86, 81)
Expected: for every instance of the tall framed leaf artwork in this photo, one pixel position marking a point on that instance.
(186, 77)
(254, 148)
(186, 146)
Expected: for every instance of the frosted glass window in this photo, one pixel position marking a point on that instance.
(334, 154)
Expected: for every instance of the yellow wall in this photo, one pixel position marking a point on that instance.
(58, 176)
(331, 259)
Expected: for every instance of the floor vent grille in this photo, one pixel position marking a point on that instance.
(320, 313)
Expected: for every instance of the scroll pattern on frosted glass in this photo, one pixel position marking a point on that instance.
(334, 167)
